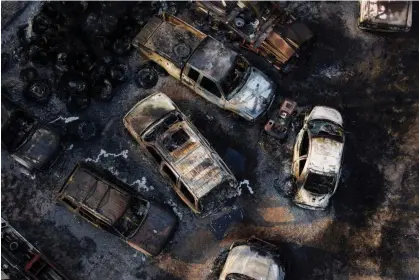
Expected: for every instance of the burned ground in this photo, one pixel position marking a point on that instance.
(371, 230)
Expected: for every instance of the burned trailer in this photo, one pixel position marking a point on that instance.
(21, 260)
(264, 28)
(253, 258)
(196, 172)
(32, 143)
(385, 16)
(206, 66)
(109, 204)
(317, 158)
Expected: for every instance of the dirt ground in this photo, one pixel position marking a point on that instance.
(371, 230)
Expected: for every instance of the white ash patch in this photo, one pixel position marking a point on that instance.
(113, 171)
(244, 183)
(105, 154)
(70, 148)
(175, 209)
(27, 173)
(142, 185)
(66, 120)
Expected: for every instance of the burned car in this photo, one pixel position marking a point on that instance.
(386, 16)
(253, 259)
(30, 142)
(317, 160)
(109, 204)
(196, 172)
(21, 260)
(206, 66)
(279, 122)
(263, 27)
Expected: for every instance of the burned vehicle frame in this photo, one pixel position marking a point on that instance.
(317, 159)
(278, 124)
(385, 16)
(253, 258)
(206, 66)
(264, 29)
(21, 259)
(196, 172)
(32, 143)
(109, 204)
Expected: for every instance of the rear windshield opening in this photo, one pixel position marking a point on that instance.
(319, 184)
(17, 130)
(128, 224)
(175, 141)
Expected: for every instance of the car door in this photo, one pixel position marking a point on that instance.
(301, 149)
(190, 76)
(210, 90)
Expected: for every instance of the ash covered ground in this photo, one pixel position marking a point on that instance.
(371, 231)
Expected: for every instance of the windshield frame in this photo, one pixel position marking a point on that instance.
(244, 78)
(340, 139)
(307, 184)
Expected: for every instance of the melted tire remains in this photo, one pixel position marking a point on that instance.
(146, 77)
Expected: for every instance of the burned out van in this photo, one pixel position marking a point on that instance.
(196, 172)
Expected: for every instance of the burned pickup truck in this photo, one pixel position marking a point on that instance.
(206, 66)
(107, 203)
(263, 27)
(386, 16)
(196, 172)
(21, 260)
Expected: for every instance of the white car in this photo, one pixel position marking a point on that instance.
(253, 259)
(317, 160)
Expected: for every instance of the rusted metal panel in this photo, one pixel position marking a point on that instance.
(146, 112)
(386, 15)
(156, 229)
(278, 46)
(213, 59)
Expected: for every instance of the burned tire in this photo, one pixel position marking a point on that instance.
(102, 90)
(83, 130)
(28, 74)
(119, 73)
(78, 103)
(38, 91)
(146, 77)
(182, 50)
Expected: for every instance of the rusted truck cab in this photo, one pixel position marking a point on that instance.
(108, 204)
(206, 66)
(195, 171)
(385, 16)
(24, 259)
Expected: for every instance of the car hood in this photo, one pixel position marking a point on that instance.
(309, 200)
(256, 95)
(155, 232)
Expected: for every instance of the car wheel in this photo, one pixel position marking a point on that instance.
(146, 77)
(38, 91)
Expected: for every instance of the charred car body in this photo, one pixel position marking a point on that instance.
(196, 172)
(279, 122)
(22, 260)
(253, 259)
(205, 65)
(263, 27)
(317, 159)
(106, 203)
(387, 16)
(30, 142)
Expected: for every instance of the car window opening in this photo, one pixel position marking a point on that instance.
(84, 213)
(210, 86)
(321, 128)
(193, 74)
(319, 184)
(132, 218)
(304, 144)
(176, 140)
(235, 77)
(170, 173)
(168, 121)
(69, 203)
(154, 154)
(187, 193)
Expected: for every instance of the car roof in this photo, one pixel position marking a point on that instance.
(213, 59)
(194, 160)
(325, 155)
(245, 260)
(147, 111)
(386, 12)
(326, 113)
(89, 190)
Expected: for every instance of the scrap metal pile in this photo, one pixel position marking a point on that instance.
(83, 45)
